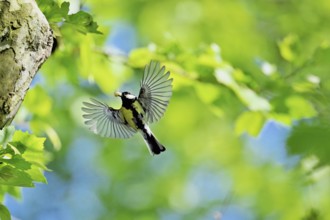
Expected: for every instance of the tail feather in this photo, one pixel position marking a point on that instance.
(153, 144)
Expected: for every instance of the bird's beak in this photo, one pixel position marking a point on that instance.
(118, 94)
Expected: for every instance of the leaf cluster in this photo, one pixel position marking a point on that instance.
(58, 15)
(22, 162)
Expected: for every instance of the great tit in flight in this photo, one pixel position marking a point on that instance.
(135, 112)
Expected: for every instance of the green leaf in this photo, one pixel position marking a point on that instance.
(14, 177)
(310, 139)
(225, 76)
(247, 96)
(32, 159)
(280, 117)
(13, 191)
(31, 142)
(250, 122)
(37, 174)
(253, 101)
(83, 22)
(23, 160)
(299, 107)
(32, 147)
(4, 213)
(53, 12)
(18, 162)
(286, 47)
(6, 135)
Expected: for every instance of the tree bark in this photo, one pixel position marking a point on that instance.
(25, 43)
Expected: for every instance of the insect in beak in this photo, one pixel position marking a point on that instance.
(118, 94)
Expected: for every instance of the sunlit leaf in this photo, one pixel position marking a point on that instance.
(36, 174)
(33, 149)
(253, 101)
(299, 107)
(249, 122)
(29, 141)
(249, 97)
(14, 177)
(13, 191)
(18, 162)
(40, 126)
(280, 117)
(225, 76)
(286, 49)
(241, 77)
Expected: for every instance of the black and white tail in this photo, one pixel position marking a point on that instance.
(153, 144)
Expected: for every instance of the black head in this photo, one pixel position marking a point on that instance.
(125, 96)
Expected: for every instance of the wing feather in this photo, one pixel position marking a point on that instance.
(105, 121)
(156, 91)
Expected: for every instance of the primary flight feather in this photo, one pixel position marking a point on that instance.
(136, 112)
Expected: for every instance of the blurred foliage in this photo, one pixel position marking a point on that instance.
(236, 64)
(4, 213)
(318, 134)
(22, 161)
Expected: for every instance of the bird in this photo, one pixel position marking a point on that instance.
(136, 112)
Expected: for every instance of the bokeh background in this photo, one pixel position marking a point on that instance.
(246, 131)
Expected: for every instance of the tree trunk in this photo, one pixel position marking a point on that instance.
(25, 43)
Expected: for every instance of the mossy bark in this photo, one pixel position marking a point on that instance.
(25, 43)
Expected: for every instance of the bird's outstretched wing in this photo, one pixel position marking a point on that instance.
(155, 92)
(106, 121)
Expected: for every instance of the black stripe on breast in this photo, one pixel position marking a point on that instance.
(137, 117)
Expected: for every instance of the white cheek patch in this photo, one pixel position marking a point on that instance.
(130, 96)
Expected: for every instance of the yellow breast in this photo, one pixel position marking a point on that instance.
(129, 114)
